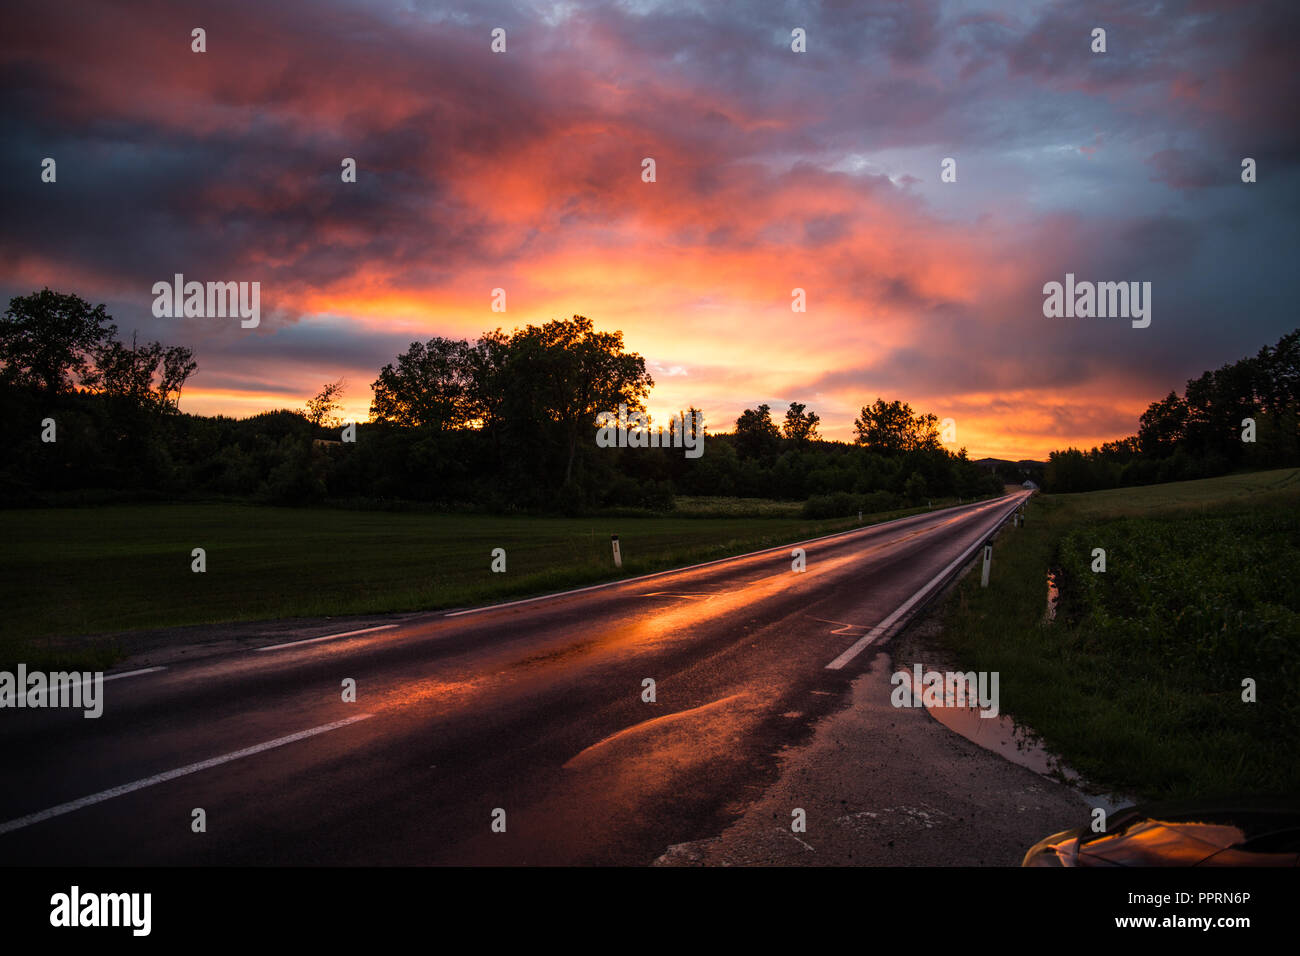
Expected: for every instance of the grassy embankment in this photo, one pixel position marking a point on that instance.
(1137, 683)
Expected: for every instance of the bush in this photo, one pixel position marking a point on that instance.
(841, 504)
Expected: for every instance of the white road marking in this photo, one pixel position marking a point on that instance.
(862, 643)
(107, 677)
(143, 670)
(843, 628)
(327, 637)
(171, 775)
(692, 567)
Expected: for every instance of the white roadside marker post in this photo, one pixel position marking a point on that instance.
(618, 558)
(988, 559)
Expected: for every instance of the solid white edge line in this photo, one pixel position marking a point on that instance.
(693, 567)
(171, 775)
(21, 698)
(327, 637)
(865, 641)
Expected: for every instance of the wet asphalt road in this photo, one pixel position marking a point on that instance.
(535, 709)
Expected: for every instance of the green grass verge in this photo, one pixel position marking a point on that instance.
(68, 572)
(1137, 683)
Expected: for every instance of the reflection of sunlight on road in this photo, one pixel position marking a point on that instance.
(648, 622)
(428, 690)
(661, 624)
(659, 736)
(646, 763)
(658, 624)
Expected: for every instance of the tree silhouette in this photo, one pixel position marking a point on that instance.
(322, 406)
(800, 426)
(48, 338)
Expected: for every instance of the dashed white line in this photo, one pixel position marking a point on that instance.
(327, 637)
(805, 844)
(143, 670)
(107, 677)
(171, 775)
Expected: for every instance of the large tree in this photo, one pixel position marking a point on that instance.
(1163, 425)
(757, 436)
(431, 386)
(566, 373)
(178, 365)
(534, 391)
(800, 425)
(891, 427)
(48, 340)
(128, 372)
(1279, 375)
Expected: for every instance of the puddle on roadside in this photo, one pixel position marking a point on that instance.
(1001, 735)
(1053, 596)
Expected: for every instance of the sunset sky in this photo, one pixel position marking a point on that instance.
(775, 170)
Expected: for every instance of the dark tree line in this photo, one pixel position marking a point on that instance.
(896, 459)
(501, 423)
(1200, 433)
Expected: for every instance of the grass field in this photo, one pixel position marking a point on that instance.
(76, 571)
(1137, 683)
(718, 507)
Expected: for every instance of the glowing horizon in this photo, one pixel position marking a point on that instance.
(774, 171)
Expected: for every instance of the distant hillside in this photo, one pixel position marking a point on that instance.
(1014, 472)
(992, 463)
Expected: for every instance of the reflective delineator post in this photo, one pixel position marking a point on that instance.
(618, 558)
(988, 559)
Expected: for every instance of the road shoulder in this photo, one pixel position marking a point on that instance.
(886, 786)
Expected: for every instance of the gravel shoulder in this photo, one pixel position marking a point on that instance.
(886, 786)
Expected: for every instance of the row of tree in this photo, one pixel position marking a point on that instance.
(501, 423)
(1245, 415)
(886, 427)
